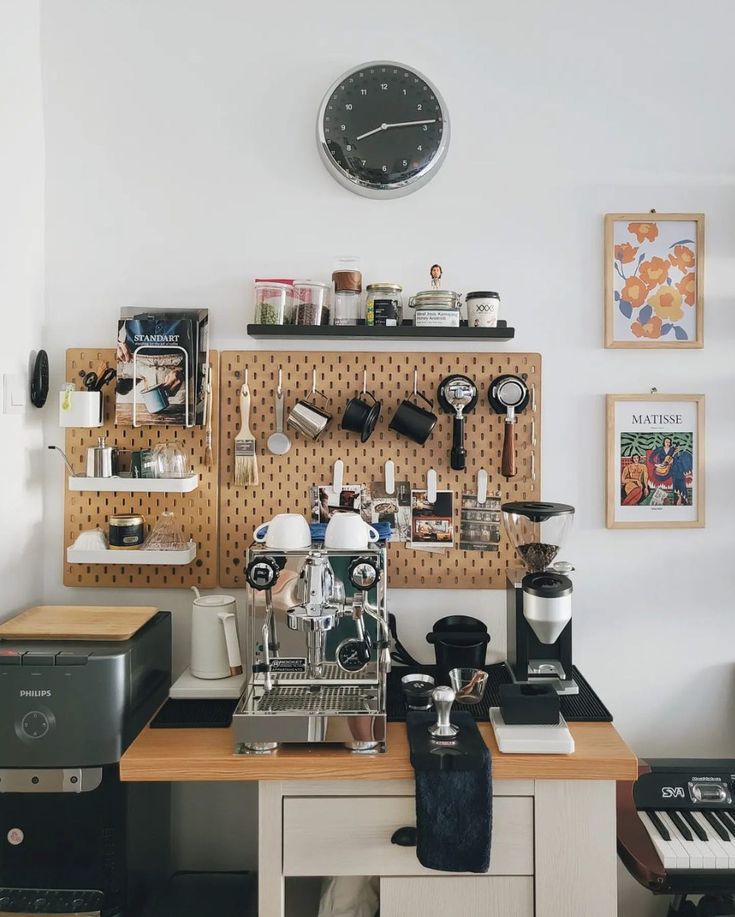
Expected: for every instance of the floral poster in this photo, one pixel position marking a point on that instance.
(654, 456)
(654, 284)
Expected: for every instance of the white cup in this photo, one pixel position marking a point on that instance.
(286, 532)
(349, 532)
(482, 310)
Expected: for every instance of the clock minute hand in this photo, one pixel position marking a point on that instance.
(384, 127)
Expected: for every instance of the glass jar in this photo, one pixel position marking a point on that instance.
(272, 302)
(436, 308)
(384, 304)
(311, 302)
(347, 297)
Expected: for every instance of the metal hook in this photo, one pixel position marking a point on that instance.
(313, 381)
(415, 381)
(364, 381)
(279, 390)
(246, 376)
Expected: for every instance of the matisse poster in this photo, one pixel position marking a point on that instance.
(655, 476)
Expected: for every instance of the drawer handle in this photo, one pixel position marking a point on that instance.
(404, 837)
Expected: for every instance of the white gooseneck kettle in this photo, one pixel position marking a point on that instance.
(215, 647)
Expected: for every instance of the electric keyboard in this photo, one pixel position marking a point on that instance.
(676, 825)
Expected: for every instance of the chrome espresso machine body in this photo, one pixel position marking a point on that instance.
(318, 649)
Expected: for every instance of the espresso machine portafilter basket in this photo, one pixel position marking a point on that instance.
(457, 395)
(509, 395)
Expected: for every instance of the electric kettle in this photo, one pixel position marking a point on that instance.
(215, 647)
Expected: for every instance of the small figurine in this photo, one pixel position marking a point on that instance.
(436, 276)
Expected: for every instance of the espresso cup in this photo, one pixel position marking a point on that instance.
(361, 416)
(285, 532)
(155, 398)
(413, 421)
(308, 419)
(349, 532)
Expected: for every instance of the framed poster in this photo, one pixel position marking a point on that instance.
(655, 461)
(654, 270)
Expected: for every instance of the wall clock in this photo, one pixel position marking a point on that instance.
(383, 130)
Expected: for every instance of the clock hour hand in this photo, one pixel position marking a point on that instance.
(384, 127)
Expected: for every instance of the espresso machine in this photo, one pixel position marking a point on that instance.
(539, 595)
(317, 665)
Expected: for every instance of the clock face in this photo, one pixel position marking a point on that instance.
(383, 130)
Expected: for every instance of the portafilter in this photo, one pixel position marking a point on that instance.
(457, 395)
(508, 394)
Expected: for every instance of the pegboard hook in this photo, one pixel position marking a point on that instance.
(246, 377)
(364, 381)
(279, 390)
(415, 382)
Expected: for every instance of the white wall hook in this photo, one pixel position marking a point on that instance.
(338, 475)
(482, 487)
(390, 477)
(431, 486)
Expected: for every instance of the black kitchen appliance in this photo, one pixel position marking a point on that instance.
(459, 641)
(73, 837)
(539, 597)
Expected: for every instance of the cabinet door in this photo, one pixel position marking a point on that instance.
(499, 896)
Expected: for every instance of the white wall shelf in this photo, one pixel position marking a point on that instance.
(135, 485)
(136, 556)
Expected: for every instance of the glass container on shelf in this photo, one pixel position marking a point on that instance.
(167, 534)
(537, 530)
(436, 308)
(311, 302)
(347, 308)
(273, 302)
(384, 304)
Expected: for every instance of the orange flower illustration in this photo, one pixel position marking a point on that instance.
(644, 231)
(652, 328)
(666, 303)
(634, 291)
(626, 252)
(683, 258)
(687, 286)
(654, 272)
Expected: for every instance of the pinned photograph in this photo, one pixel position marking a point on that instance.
(432, 523)
(479, 527)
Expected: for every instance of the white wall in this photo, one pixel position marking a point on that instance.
(21, 298)
(182, 163)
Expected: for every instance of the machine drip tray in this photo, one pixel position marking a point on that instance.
(327, 701)
(585, 707)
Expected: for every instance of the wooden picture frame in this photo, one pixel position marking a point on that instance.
(654, 287)
(652, 483)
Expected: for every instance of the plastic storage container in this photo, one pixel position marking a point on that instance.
(272, 302)
(311, 302)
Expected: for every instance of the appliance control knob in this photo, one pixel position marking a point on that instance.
(35, 724)
(363, 572)
(262, 573)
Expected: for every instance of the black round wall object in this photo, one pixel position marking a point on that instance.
(39, 380)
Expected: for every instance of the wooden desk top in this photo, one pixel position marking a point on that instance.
(207, 754)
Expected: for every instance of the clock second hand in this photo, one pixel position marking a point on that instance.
(384, 127)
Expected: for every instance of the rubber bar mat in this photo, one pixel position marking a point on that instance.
(585, 707)
(195, 713)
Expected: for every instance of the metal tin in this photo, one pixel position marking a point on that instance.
(125, 531)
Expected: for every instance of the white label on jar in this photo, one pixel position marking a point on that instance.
(437, 318)
(482, 313)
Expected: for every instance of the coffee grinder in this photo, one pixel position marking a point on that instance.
(539, 595)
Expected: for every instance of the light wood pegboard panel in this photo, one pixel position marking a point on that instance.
(285, 480)
(196, 511)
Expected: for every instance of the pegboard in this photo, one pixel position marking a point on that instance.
(196, 511)
(285, 481)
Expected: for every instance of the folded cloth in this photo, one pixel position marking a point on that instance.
(454, 796)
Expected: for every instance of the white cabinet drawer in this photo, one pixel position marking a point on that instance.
(503, 896)
(350, 836)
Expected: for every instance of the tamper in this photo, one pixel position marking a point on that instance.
(443, 730)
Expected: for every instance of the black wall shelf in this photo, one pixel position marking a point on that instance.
(372, 332)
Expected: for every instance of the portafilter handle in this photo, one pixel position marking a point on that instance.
(443, 729)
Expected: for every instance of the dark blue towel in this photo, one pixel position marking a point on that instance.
(454, 805)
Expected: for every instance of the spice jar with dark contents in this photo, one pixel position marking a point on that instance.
(311, 300)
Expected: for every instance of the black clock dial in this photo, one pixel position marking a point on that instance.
(383, 125)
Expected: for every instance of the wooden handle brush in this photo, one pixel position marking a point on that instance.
(246, 461)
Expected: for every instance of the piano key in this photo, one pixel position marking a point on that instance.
(727, 819)
(663, 848)
(694, 824)
(717, 827)
(728, 845)
(656, 821)
(683, 860)
(722, 859)
(718, 816)
(681, 825)
(695, 849)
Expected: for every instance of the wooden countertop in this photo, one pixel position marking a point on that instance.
(207, 754)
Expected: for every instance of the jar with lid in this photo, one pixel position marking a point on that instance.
(125, 531)
(311, 302)
(384, 304)
(347, 297)
(272, 302)
(436, 308)
(482, 309)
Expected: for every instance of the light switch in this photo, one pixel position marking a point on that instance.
(14, 394)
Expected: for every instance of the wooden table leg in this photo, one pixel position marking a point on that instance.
(576, 861)
(271, 885)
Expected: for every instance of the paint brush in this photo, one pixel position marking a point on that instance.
(246, 461)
